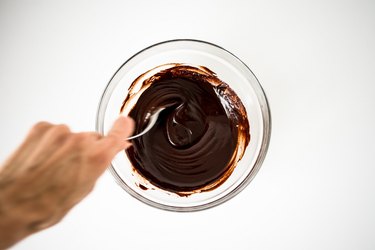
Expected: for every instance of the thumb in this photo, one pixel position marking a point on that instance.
(122, 128)
(107, 147)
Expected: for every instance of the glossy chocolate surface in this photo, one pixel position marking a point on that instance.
(199, 137)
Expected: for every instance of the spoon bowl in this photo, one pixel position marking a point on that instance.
(151, 122)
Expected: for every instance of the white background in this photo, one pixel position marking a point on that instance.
(316, 62)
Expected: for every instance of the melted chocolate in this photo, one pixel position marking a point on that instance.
(199, 137)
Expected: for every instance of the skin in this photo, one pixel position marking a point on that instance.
(50, 172)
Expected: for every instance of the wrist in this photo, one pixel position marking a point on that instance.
(13, 228)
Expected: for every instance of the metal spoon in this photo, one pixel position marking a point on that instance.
(151, 122)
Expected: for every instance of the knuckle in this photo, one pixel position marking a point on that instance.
(40, 127)
(60, 132)
(57, 130)
(61, 128)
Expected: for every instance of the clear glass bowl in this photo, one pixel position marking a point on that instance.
(229, 69)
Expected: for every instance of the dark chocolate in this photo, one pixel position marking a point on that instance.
(199, 137)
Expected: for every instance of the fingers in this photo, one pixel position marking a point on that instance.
(54, 145)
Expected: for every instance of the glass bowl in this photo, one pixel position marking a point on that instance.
(229, 69)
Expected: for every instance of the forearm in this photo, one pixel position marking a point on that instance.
(21, 213)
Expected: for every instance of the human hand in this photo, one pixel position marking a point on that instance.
(50, 172)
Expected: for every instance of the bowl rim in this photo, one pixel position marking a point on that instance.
(267, 127)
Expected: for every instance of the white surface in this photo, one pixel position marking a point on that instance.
(315, 60)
